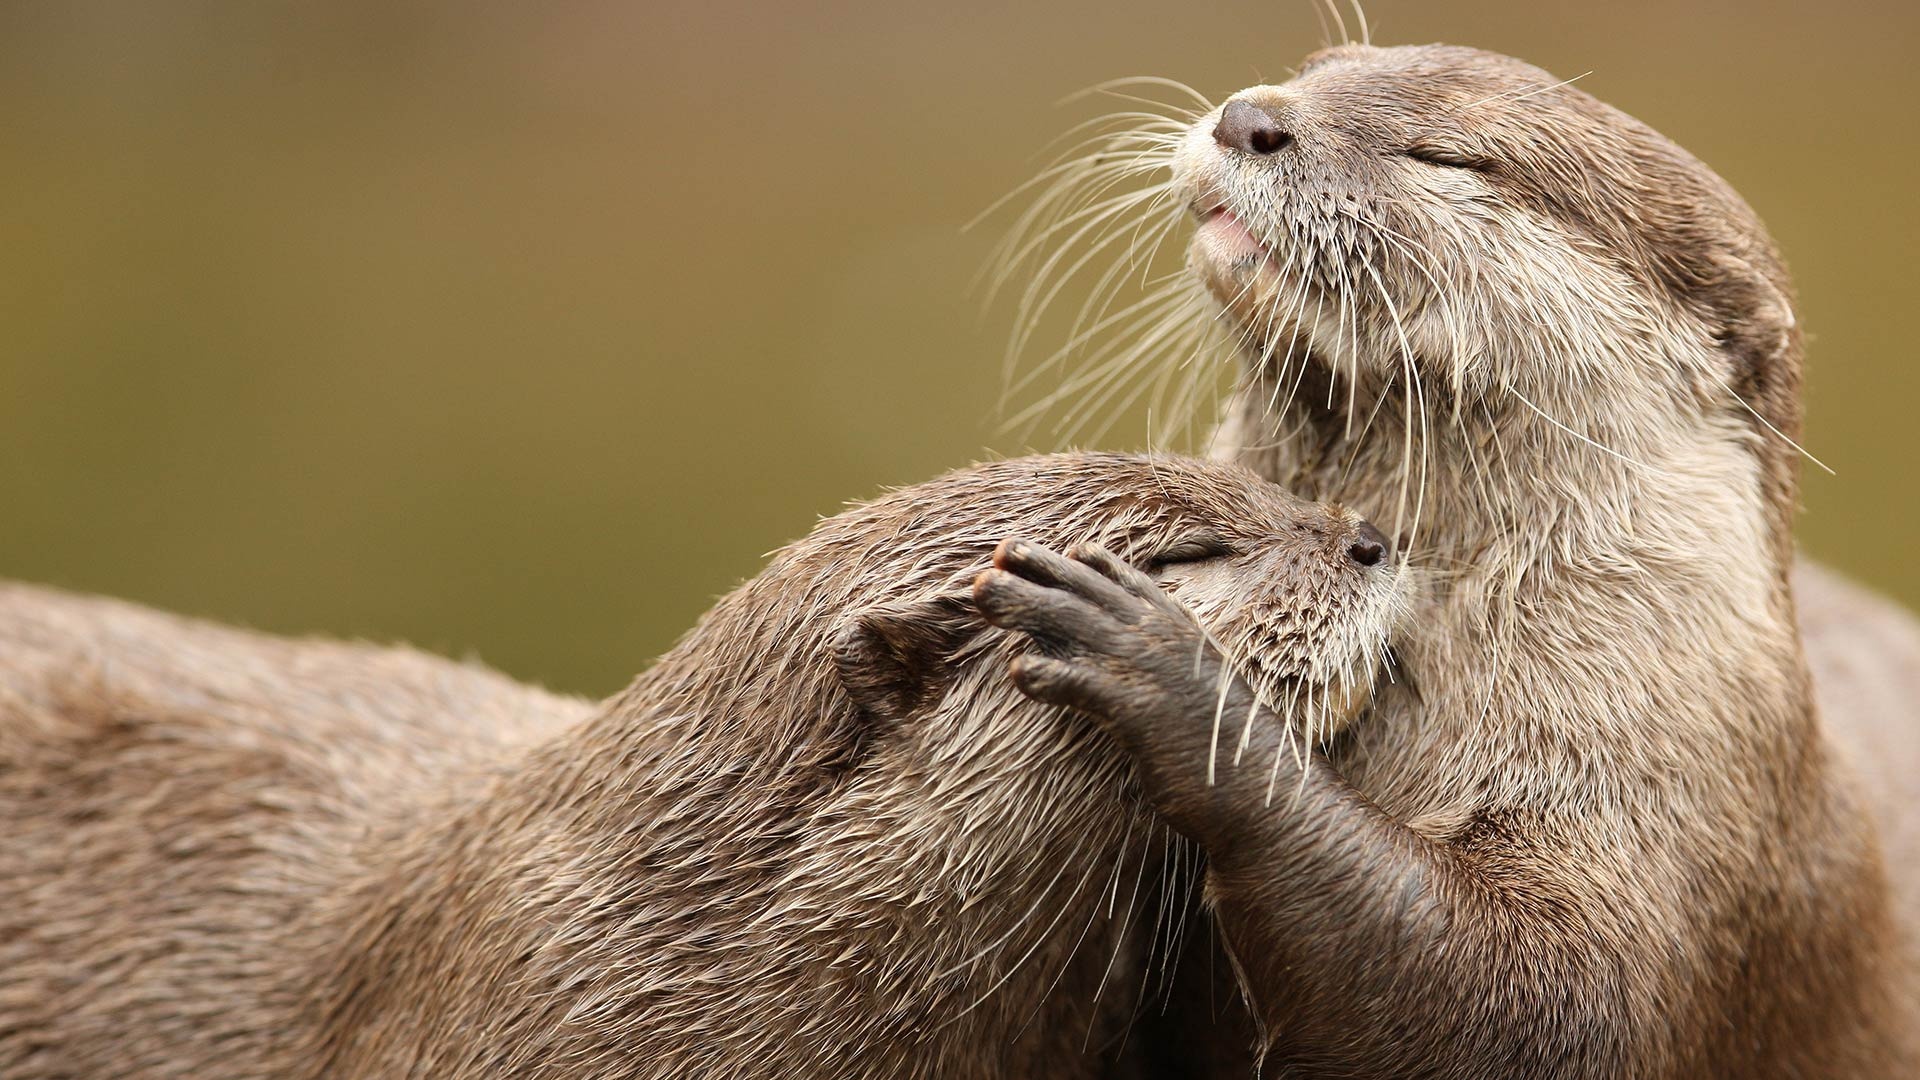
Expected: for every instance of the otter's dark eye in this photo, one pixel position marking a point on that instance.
(1447, 157)
(1192, 549)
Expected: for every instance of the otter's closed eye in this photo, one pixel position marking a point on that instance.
(1447, 157)
(1192, 549)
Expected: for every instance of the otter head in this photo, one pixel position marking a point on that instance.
(1300, 596)
(1501, 218)
(1416, 243)
(1470, 228)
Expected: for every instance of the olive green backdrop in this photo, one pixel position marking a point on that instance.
(524, 330)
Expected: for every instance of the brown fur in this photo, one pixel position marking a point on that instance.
(823, 836)
(1559, 355)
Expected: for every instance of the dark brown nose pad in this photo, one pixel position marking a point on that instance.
(1248, 128)
(1370, 546)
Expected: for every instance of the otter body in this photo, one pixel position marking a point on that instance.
(823, 836)
(1559, 356)
(176, 796)
(1864, 652)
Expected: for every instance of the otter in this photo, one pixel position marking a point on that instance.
(1606, 830)
(822, 836)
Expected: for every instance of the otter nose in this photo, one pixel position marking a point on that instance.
(1248, 128)
(1370, 546)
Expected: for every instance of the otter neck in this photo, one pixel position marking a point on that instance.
(1549, 556)
(1555, 474)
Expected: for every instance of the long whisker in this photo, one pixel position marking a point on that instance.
(1602, 447)
(1320, 16)
(1178, 329)
(1143, 80)
(1070, 159)
(1034, 301)
(1339, 20)
(1523, 93)
(1107, 287)
(1784, 437)
(1070, 196)
(1159, 311)
(1039, 295)
(1170, 288)
(1087, 217)
(1115, 362)
(1090, 165)
(1416, 402)
(1120, 936)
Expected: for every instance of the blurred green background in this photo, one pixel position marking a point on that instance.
(525, 330)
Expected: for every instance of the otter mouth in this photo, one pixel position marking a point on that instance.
(1327, 699)
(1224, 237)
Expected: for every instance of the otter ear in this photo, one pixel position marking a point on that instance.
(895, 659)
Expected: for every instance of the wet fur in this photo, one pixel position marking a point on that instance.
(823, 836)
(1569, 376)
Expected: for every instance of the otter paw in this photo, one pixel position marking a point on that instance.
(1110, 641)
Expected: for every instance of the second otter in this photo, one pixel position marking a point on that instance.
(822, 837)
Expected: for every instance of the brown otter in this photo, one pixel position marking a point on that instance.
(823, 836)
(1559, 354)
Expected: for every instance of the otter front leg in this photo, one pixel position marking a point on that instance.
(1362, 947)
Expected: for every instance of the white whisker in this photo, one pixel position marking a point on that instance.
(1523, 94)
(1602, 447)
